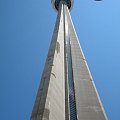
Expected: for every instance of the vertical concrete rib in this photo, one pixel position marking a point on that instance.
(88, 103)
(50, 100)
(66, 67)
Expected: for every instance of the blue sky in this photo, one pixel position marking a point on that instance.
(26, 28)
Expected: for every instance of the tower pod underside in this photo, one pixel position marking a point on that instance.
(55, 3)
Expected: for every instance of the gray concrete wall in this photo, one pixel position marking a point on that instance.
(88, 104)
(50, 100)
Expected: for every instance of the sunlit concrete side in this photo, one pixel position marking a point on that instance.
(50, 100)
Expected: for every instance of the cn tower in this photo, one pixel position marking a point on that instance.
(67, 90)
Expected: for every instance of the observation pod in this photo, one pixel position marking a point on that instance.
(55, 3)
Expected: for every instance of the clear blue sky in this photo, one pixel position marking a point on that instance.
(26, 28)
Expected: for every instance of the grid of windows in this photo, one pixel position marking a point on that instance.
(72, 103)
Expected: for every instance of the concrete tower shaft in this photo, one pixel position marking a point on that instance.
(67, 90)
(56, 3)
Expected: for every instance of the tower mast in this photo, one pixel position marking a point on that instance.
(67, 90)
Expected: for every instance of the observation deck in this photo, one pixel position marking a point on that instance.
(56, 3)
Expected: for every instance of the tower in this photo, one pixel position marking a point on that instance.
(67, 90)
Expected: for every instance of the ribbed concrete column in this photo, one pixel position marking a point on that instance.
(88, 103)
(50, 100)
(67, 90)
